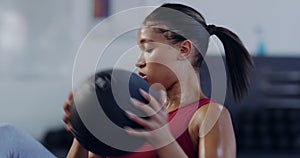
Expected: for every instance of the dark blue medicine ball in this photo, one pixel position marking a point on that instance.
(98, 112)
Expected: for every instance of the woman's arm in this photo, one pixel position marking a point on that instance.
(171, 150)
(77, 151)
(215, 135)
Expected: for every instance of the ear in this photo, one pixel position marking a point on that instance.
(185, 49)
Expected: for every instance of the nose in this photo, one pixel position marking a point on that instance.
(140, 63)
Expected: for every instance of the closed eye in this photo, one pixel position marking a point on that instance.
(149, 50)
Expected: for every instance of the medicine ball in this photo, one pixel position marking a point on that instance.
(98, 111)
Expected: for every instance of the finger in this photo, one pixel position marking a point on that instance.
(68, 127)
(67, 108)
(155, 116)
(152, 101)
(143, 107)
(136, 132)
(70, 97)
(70, 102)
(67, 122)
(146, 124)
(145, 95)
(66, 119)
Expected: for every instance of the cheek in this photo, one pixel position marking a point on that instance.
(162, 58)
(162, 74)
(160, 66)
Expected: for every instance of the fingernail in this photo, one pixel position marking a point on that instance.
(134, 101)
(127, 129)
(162, 96)
(129, 114)
(162, 92)
(69, 102)
(142, 91)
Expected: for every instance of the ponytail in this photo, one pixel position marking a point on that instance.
(238, 61)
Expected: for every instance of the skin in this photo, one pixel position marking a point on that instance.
(169, 64)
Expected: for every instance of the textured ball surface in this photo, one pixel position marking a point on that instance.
(112, 89)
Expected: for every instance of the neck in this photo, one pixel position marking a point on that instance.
(184, 92)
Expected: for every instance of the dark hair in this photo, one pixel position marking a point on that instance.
(238, 60)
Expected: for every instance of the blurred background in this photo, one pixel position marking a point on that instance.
(39, 40)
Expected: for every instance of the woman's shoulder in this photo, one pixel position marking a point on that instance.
(211, 108)
(209, 115)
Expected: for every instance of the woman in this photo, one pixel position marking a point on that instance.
(173, 40)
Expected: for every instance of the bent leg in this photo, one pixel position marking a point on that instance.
(15, 143)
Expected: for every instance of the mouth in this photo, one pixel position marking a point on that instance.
(143, 75)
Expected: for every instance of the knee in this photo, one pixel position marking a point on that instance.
(7, 129)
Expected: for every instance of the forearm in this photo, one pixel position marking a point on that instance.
(77, 151)
(171, 150)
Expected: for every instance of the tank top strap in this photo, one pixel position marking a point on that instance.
(205, 101)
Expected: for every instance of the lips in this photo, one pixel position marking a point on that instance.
(143, 75)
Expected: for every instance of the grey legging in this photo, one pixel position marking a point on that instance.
(15, 143)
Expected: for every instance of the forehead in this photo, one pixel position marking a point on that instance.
(148, 34)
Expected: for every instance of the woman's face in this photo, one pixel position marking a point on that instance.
(157, 57)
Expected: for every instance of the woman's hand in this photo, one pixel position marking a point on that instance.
(66, 117)
(156, 128)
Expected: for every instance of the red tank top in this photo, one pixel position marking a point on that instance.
(178, 121)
